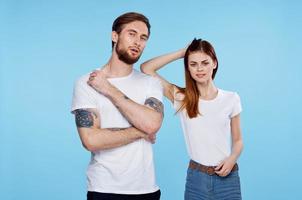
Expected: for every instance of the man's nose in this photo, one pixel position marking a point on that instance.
(137, 41)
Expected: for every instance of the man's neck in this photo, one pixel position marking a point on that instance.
(117, 68)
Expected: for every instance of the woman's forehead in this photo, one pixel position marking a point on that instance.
(198, 56)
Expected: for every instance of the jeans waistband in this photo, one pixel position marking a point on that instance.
(210, 170)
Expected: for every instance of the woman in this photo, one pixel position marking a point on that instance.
(210, 119)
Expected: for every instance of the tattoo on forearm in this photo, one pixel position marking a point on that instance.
(155, 104)
(84, 118)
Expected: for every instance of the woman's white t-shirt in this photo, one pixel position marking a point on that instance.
(208, 136)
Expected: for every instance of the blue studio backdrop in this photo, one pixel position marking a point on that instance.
(46, 45)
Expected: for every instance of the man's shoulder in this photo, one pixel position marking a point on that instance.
(82, 78)
(81, 82)
(138, 74)
(146, 77)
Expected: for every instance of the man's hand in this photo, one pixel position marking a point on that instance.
(99, 82)
(148, 137)
(151, 138)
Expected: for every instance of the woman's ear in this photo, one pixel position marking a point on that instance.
(215, 65)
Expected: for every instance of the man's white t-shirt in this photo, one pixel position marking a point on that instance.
(127, 169)
(208, 136)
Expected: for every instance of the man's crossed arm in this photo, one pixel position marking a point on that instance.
(95, 138)
(147, 117)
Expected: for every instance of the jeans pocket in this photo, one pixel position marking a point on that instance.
(233, 178)
(190, 173)
(234, 174)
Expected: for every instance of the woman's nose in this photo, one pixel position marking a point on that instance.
(199, 68)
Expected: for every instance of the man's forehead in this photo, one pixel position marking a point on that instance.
(138, 26)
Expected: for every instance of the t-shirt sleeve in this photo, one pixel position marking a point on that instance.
(83, 96)
(155, 89)
(237, 108)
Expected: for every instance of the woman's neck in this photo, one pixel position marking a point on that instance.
(207, 90)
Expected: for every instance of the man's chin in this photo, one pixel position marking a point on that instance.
(128, 58)
(134, 58)
(131, 59)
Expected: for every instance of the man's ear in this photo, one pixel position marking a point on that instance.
(114, 36)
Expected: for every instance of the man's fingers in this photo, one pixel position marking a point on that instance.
(151, 138)
(93, 74)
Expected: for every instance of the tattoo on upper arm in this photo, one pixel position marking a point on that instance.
(155, 104)
(84, 118)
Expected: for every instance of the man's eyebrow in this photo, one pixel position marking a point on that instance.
(134, 31)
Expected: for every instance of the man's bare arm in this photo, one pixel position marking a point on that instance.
(94, 138)
(147, 118)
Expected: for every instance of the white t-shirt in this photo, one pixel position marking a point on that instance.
(128, 169)
(208, 136)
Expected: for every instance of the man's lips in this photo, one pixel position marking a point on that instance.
(134, 50)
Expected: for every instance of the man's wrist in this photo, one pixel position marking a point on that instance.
(139, 134)
(106, 89)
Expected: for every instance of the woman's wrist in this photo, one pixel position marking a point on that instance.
(233, 158)
(182, 52)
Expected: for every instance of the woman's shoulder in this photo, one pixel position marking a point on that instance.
(228, 94)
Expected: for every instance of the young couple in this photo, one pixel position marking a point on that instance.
(118, 111)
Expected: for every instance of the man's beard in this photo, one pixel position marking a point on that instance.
(124, 56)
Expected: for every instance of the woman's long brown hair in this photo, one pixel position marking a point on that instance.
(191, 92)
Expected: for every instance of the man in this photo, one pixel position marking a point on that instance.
(118, 111)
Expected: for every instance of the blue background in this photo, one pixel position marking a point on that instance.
(46, 45)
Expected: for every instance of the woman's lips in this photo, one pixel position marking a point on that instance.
(200, 75)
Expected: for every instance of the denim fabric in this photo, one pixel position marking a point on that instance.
(201, 186)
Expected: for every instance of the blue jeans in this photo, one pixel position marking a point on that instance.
(201, 186)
